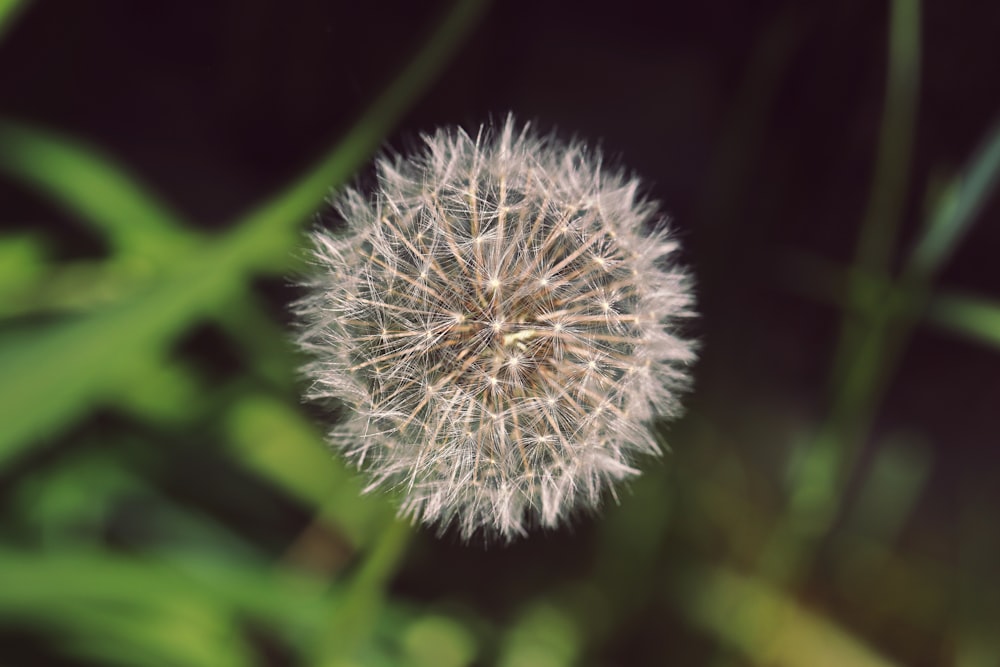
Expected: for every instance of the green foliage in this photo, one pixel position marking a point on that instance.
(179, 607)
(975, 317)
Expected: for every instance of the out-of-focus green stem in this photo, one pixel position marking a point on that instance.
(9, 10)
(46, 383)
(890, 179)
(962, 203)
(352, 624)
(762, 623)
(976, 318)
(872, 334)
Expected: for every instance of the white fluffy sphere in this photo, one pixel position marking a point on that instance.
(501, 316)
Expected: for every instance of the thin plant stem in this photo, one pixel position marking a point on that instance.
(872, 334)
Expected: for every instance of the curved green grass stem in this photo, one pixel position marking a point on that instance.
(880, 310)
(47, 382)
(871, 333)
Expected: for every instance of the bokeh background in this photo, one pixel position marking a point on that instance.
(830, 498)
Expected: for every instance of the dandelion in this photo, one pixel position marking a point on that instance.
(503, 324)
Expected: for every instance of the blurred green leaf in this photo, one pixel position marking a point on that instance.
(861, 361)
(176, 631)
(263, 343)
(90, 185)
(74, 287)
(973, 317)
(353, 623)
(8, 13)
(280, 445)
(57, 375)
(438, 641)
(44, 584)
(76, 503)
(976, 318)
(958, 209)
(70, 503)
(542, 637)
(161, 390)
(883, 584)
(978, 648)
(828, 282)
(22, 265)
(890, 180)
(765, 625)
(895, 477)
(638, 526)
(976, 616)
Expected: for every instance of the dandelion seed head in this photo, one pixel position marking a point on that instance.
(503, 318)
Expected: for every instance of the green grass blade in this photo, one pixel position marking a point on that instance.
(892, 165)
(864, 356)
(765, 625)
(968, 316)
(353, 622)
(87, 593)
(33, 580)
(279, 444)
(9, 10)
(56, 376)
(958, 208)
(895, 478)
(91, 186)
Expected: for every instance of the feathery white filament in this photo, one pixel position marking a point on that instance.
(502, 326)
